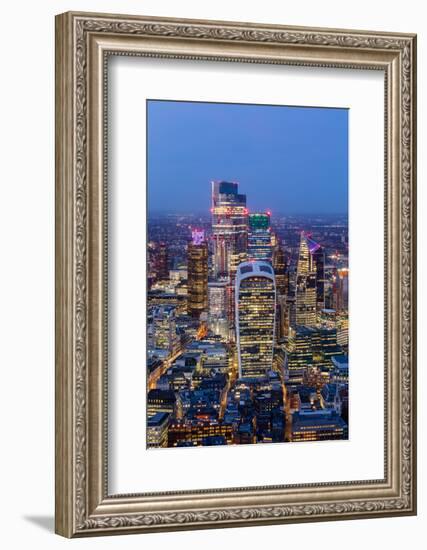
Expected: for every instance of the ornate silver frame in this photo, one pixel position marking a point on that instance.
(83, 42)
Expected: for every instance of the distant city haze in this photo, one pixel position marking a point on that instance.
(290, 160)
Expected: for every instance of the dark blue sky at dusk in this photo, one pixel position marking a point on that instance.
(290, 160)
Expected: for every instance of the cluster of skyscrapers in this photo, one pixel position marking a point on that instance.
(247, 334)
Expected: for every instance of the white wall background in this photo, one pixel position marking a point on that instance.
(27, 271)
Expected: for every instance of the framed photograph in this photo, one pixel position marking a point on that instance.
(235, 274)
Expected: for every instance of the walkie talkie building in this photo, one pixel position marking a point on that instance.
(255, 317)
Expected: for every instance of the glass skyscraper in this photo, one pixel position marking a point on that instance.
(255, 297)
(197, 274)
(318, 254)
(164, 324)
(306, 291)
(341, 290)
(299, 353)
(229, 227)
(279, 266)
(259, 236)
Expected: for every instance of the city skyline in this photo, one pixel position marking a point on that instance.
(247, 329)
(247, 310)
(262, 147)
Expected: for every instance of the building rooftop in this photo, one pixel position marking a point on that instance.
(255, 267)
(317, 419)
(164, 395)
(157, 419)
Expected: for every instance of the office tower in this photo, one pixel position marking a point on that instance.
(259, 236)
(342, 332)
(281, 320)
(289, 314)
(159, 298)
(306, 292)
(279, 266)
(229, 228)
(157, 430)
(318, 256)
(151, 264)
(339, 374)
(341, 290)
(197, 256)
(299, 353)
(324, 346)
(161, 401)
(164, 328)
(217, 298)
(194, 431)
(255, 297)
(162, 261)
(320, 425)
(330, 292)
(218, 308)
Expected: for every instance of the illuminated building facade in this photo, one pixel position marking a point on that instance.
(281, 329)
(218, 293)
(306, 292)
(259, 236)
(157, 430)
(255, 296)
(299, 353)
(324, 346)
(195, 431)
(164, 328)
(159, 298)
(197, 274)
(341, 290)
(161, 261)
(217, 298)
(340, 369)
(279, 266)
(342, 332)
(229, 227)
(250, 354)
(318, 260)
(318, 426)
(161, 401)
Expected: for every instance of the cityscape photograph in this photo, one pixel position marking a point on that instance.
(247, 274)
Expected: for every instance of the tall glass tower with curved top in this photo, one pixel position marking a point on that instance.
(306, 292)
(255, 298)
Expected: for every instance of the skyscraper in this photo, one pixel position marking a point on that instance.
(229, 227)
(218, 307)
(279, 266)
(255, 297)
(162, 258)
(217, 298)
(197, 255)
(341, 292)
(342, 332)
(299, 353)
(318, 254)
(164, 328)
(324, 346)
(306, 291)
(259, 236)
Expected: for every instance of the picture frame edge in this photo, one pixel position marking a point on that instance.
(73, 473)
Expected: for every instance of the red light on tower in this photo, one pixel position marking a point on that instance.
(268, 212)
